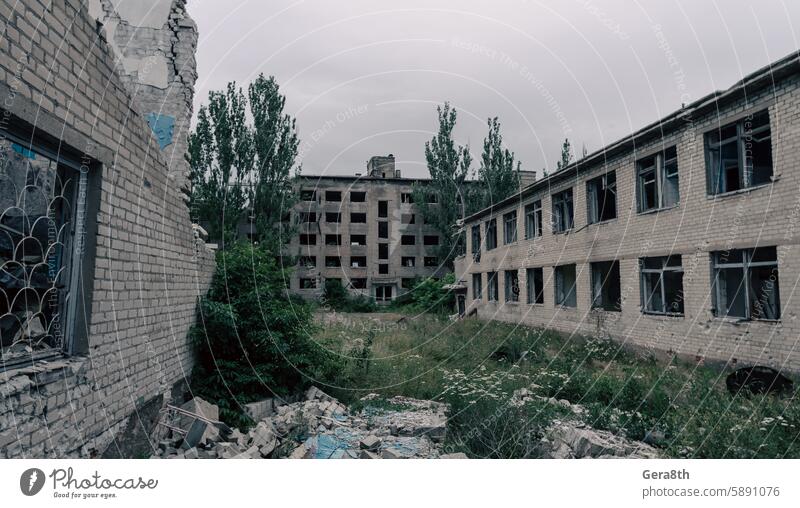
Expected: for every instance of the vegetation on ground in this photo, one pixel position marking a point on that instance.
(476, 367)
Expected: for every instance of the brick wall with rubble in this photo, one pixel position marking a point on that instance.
(58, 75)
(699, 224)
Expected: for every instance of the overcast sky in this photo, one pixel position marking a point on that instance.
(363, 77)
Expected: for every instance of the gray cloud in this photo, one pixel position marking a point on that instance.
(363, 76)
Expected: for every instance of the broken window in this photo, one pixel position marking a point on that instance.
(431, 261)
(477, 287)
(408, 282)
(533, 220)
(512, 285)
(406, 198)
(358, 218)
(510, 227)
(383, 229)
(358, 197)
(308, 239)
(408, 240)
(601, 197)
(407, 218)
(563, 211)
(333, 239)
(383, 269)
(42, 223)
(383, 293)
(308, 262)
(745, 283)
(491, 234)
(333, 261)
(408, 261)
(565, 286)
(476, 243)
(334, 196)
(534, 278)
(358, 283)
(661, 280)
(383, 251)
(308, 283)
(308, 217)
(739, 154)
(383, 209)
(358, 261)
(334, 217)
(430, 239)
(308, 195)
(493, 293)
(657, 180)
(606, 291)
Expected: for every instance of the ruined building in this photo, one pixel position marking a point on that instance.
(682, 237)
(364, 231)
(101, 268)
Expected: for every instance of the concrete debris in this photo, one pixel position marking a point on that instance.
(321, 427)
(573, 440)
(454, 456)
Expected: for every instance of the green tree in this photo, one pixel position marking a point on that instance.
(498, 174)
(238, 166)
(448, 165)
(566, 155)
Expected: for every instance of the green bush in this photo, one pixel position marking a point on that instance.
(336, 297)
(428, 295)
(254, 340)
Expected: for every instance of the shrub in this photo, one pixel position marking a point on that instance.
(429, 295)
(336, 297)
(253, 340)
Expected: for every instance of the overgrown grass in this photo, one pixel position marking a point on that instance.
(476, 366)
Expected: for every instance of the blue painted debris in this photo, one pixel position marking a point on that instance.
(163, 126)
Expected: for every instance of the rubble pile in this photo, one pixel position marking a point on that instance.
(317, 427)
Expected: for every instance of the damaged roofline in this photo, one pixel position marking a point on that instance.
(761, 78)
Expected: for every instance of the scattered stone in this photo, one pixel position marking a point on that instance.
(370, 443)
(458, 455)
(366, 454)
(564, 440)
(390, 453)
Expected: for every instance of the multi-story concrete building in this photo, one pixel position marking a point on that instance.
(681, 237)
(363, 230)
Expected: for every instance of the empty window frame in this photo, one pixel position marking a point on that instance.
(408, 282)
(564, 282)
(383, 269)
(307, 261)
(491, 234)
(406, 197)
(657, 184)
(333, 239)
(745, 284)
(510, 227)
(477, 286)
(534, 281)
(308, 195)
(408, 240)
(308, 239)
(358, 239)
(433, 198)
(533, 220)
(308, 283)
(431, 261)
(601, 198)
(739, 154)
(430, 239)
(333, 261)
(383, 229)
(493, 292)
(358, 218)
(408, 218)
(408, 261)
(333, 217)
(383, 293)
(359, 283)
(334, 196)
(661, 280)
(563, 211)
(476, 243)
(511, 288)
(358, 261)
(383, 251)
(606, 290)
(383, 209)
(358, 197)
(308, 217)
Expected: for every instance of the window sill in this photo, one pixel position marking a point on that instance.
(602, 310)
(565, 307)
(603, 222)
(565, 232)
(741, 321)
(512, 302)
(747, 190)
(663, 314)
(657, 210)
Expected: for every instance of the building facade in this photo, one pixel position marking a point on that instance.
(364, 231)
(682, 237)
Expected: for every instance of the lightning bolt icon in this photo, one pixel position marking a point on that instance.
(32, 481)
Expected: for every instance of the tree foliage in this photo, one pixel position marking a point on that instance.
(240, 166)
(498, 173)
(566, 155)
